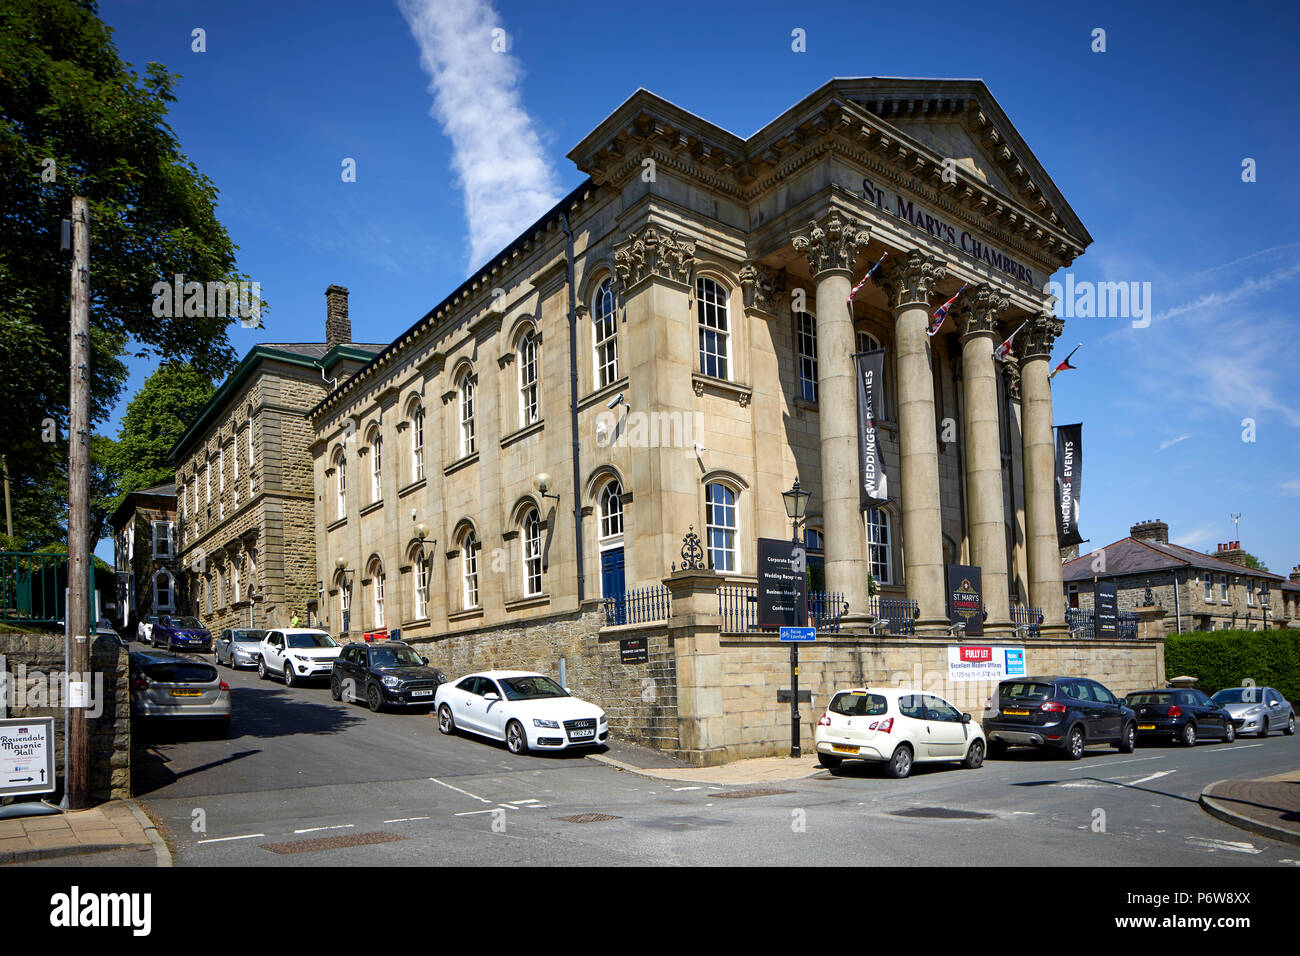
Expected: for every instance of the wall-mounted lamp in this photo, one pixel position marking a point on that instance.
(423, 540)
(341, 564)
(542, 482)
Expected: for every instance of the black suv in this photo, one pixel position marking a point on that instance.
(384, 672)
(1062, 712)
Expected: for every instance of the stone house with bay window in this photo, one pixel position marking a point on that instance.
(144, 556)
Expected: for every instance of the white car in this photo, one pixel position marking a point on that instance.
(529, 711)
(899, 727)
(296, 654)
(144, 629)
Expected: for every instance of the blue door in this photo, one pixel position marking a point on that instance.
(612, 586)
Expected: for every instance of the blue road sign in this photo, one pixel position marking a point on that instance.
(800, 634)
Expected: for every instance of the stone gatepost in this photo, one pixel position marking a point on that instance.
(694, 629)
(1151, 622)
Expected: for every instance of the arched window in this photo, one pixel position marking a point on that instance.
(377, 593)
(419, 581)
(611, 510)
(880, 561)
(720, 524)
(469, 569)
(605, 334)
(805, 332)
(532, 553)
(340, 484)
(376, 465)
(865, 341)
(236, 569)
(250, 454)
(163, 590)
(467, 435)
(529, 410)
(417, 443)
(715, 328)
(345, 603)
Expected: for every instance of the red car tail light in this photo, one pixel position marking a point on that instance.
(223, 686)
(1175, 711)
(825, 721)
(139, 684)
(884, 726)
(1052, 707)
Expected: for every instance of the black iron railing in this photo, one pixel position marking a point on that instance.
(1027, 621)
(639, 606)
(1083, 623)
(738, 608)
(896, 615)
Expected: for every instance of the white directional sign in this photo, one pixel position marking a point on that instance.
(26, 756)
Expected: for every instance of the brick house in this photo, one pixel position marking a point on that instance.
(144, 555)
(244, 480)
(1198, 592)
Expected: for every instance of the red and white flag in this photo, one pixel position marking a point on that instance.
(941, 313)
(858, 288)
(1003, 350)
(1066, 364)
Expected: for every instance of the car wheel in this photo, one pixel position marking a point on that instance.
(1290, 726)
(1188, 736)
(1229, 733)
(516, 741)
(261, 669)
(445, 722)
(1128, 742)
(975, 756)
(829, 762)
(375, 698)
(1263, 728)
(1074, 744)
(336, 689)
(287, 674)
(900, 764)
(997, 748)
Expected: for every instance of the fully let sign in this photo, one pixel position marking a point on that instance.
(985, 662)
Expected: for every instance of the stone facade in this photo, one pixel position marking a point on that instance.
(145, 556)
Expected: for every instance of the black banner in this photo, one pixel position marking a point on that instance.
(633, 650)
(1105, 609)
(782, 584)
(966, 598)
(1069, 483)
(872, 488)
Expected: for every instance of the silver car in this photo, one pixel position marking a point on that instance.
(238, 648)
(1257, 710)
(172, 687)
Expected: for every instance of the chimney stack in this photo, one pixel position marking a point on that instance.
(338, 327)
(1295, 574)
(1150, 531)
(1232, 553)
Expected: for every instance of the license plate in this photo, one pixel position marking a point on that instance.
(1146, 726)
(1016, 713)
(421, 693)
(187, 693)
(581, 733)
(843, 749)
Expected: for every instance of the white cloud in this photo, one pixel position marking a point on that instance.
(1217, 300)
(1291, 487)
(497, 154)
(1172, 441)
(1196, 537)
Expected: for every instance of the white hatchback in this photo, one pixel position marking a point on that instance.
(898, 727)
(529, 711)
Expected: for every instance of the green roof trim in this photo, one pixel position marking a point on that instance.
(341, 352)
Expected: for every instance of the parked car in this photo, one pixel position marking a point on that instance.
(1180, 714)
(296, 654)
(1257, 710)
(898, 727)
(238, 647)
(1064, 713)
(169, 686)
(528, 711)
(180, 634)
(385, 672)
(144, 628)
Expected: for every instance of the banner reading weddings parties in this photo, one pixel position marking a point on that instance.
(872, 488)
(1069, 482)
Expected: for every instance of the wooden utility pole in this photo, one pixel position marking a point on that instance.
(77, 618)
(9, 508)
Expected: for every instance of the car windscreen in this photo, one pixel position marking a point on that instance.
(181, 672)
(531, 688)
(1152, 697)
(247, 637)
(311, 640)
(852, 704)
(1026, 690)
(1239, 695)
(394, 657)
(187, 622)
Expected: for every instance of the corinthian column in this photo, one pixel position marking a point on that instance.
(1040, 470)
(985, 518)
(830, 246)
(910, 282)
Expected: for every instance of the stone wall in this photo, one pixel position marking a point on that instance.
(31, 656)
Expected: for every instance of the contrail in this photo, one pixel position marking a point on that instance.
(497, 155)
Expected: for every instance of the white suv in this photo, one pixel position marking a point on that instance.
(898, 727)
(296, 654)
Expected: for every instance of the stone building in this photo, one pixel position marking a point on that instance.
(244, 482)
(144, 556)
(1196, 592)
(665, 351)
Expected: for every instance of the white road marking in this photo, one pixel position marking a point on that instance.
(1015, 813)
(459, 790)
(246, 836)
(1209, 843)
(1292, 862)
(1155, 776)
(1115, 763)
(680, 789)
(1219, 750)
(529, 800)
(405, 819)
(341, 826)
(506, 806)
(470, 813)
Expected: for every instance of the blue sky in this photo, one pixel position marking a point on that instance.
(1146, 141)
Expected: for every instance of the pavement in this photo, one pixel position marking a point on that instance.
(1269, 806)
(650, 763)
(118, 828)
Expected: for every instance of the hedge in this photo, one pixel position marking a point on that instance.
(1227, 658)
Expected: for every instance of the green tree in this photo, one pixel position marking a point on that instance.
(75, 120)
(157, 416)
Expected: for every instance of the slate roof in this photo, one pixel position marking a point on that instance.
(1134, 556)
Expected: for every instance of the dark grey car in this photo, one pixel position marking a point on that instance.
(1062, 713)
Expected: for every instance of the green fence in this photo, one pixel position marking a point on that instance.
(33, 588)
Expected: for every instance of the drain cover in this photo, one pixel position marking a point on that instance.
(941, 813)
(587, 818)
(757, 792)
(332, 843)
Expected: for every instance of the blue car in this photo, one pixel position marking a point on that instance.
(181, 634)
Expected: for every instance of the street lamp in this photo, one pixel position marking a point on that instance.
(1263, 603)
(796, 506)
(542, 482)
(423, 540)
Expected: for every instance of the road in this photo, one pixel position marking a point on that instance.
(388, 789)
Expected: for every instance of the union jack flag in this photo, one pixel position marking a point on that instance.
(941, 313)
(858, 288)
